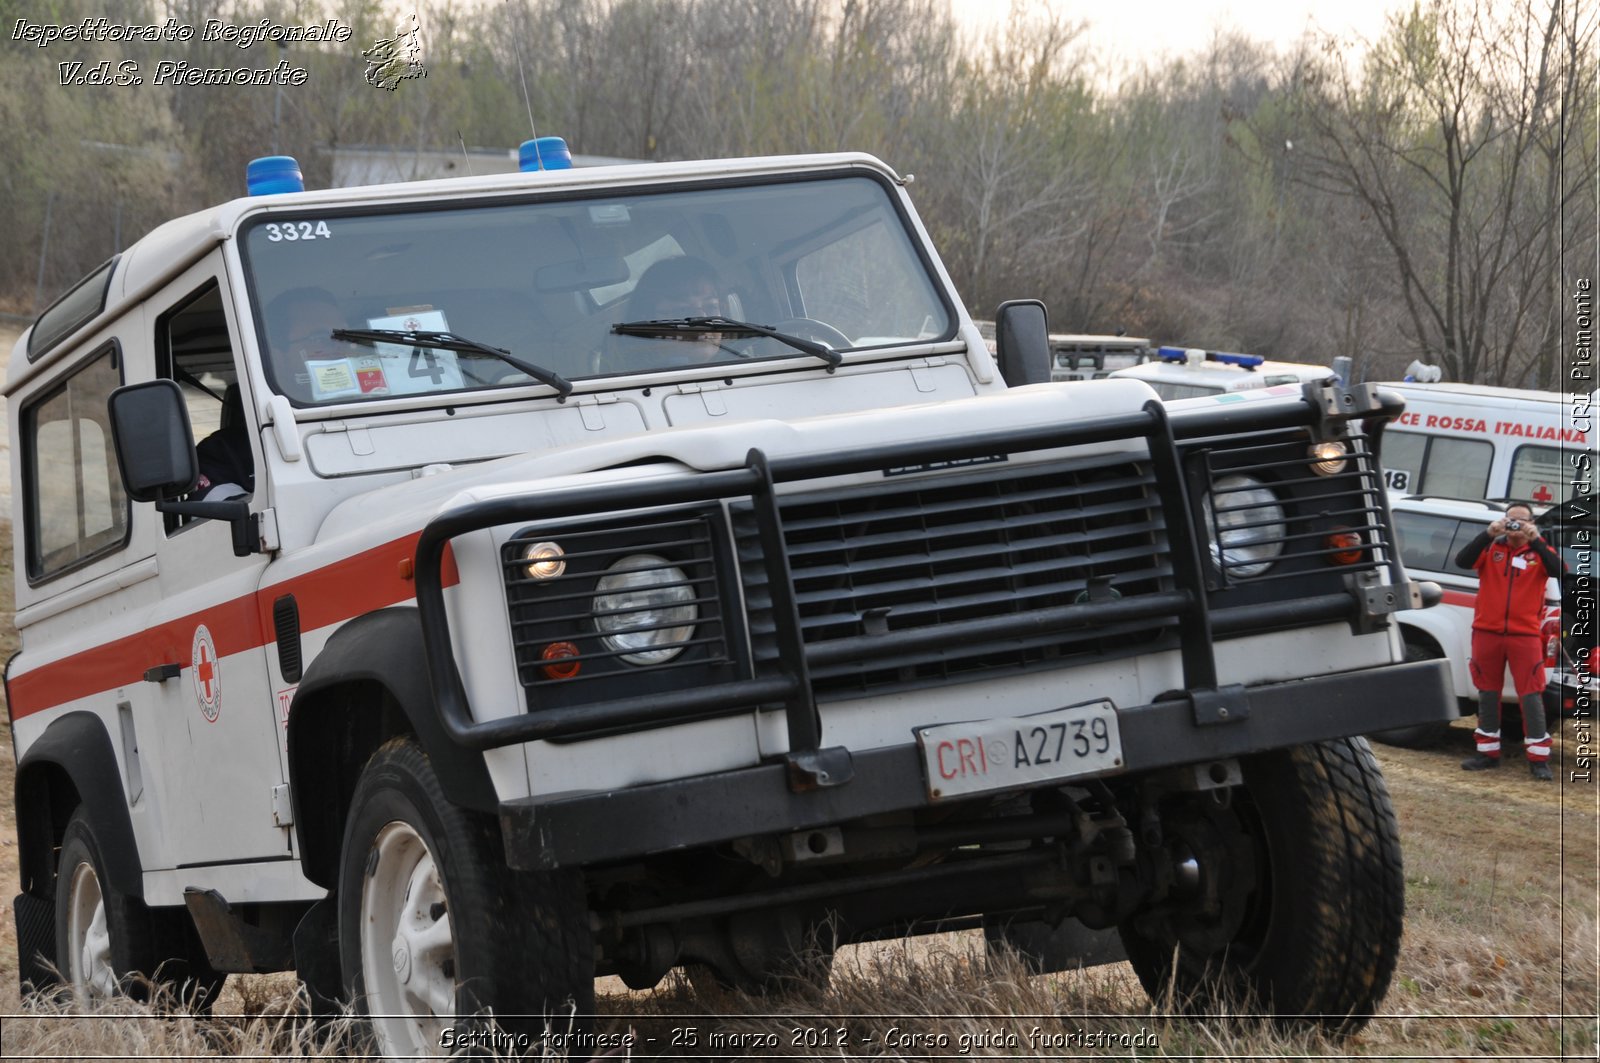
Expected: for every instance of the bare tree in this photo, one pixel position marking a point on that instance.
(1453, 136)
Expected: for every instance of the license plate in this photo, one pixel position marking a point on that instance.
(1000, 754)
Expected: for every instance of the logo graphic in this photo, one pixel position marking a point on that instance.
(207, 674)
(392, 60)
(1499, 557)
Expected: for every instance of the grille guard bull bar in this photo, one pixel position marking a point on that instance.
(757, 480)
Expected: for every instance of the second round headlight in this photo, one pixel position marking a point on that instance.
(645, 609)
(1250, 529)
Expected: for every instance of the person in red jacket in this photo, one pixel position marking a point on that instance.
(1513, 564)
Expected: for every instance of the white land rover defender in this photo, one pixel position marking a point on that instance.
(550, 631)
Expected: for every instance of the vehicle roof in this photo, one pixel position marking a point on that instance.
(172, 246)
(1474, 394)
(1448, 507)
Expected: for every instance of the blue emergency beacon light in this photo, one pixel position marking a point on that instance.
(271, 174)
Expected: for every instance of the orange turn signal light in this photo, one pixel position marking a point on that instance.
(561, 666)
(1346, 546)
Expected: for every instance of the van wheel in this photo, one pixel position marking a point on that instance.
(434, 925)
(109, 943)
(1422, 735)
(1286, 900)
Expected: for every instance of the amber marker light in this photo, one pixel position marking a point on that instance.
(1328, 457)
(562, 657)
(1346, 547)
(545, 560)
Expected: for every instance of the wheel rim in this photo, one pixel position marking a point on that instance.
(88, 938)
(408, 958)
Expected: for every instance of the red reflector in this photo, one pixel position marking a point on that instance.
(559, 651)
(1346, 547)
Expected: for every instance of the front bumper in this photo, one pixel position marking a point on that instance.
(544, 833)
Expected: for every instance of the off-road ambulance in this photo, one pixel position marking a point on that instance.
(545, 633)
(1187, 373)
(1475, 442)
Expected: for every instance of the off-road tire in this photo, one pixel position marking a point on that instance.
(1315, 887)
(1421, 735)
(521, 945)
(148, 950)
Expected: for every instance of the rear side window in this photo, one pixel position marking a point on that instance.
(74, 504)
(1536, 474)
(1430, 542)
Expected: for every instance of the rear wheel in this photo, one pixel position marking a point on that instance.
(433, 925)
(1289, 899)
(109, 943)
(1422, 735)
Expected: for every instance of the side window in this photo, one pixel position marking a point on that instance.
(75, 507)
(1536, 474)
(1425, 540)
(1456, 468)
(193, 349)
(1402, 460)
(1466, 531)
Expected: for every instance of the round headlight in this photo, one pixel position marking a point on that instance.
(645, 609)
(1248, 525)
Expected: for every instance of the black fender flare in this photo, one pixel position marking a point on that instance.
(340, 713)
(76, 750)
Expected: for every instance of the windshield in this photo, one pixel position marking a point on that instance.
(825, 261)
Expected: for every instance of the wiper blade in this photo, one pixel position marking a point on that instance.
(449, 341)
(677, 325)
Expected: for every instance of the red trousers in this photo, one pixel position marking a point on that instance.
(1491, 653)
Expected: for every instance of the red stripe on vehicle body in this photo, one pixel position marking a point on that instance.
(1460, 598)
(347, 588)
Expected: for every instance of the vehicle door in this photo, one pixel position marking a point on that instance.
(217, 723)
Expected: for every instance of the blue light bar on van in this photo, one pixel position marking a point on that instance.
(272, 174)
(1180, 354)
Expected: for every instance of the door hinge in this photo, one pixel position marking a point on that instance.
(282, 806)
(266, 523)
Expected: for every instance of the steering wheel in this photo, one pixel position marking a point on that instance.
(809, 328)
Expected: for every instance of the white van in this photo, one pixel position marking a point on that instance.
(1477, 442)
(1179, 373)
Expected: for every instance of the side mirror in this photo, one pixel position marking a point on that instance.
(1022, 342)
(154, 443)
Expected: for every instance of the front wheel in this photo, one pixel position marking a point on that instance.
(434, 925)
(1288, 899)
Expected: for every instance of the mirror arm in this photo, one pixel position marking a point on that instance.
(236, 511)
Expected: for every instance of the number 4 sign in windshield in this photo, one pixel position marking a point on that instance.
(409, 370)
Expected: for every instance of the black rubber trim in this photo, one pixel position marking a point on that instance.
(380, 649)
(707, 809)
(77, 744)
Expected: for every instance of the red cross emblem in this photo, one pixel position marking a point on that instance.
(1543, 494)
(207, 674)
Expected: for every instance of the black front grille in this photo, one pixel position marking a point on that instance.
(903, 556)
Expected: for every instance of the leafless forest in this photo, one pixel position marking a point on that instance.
(1428, 194)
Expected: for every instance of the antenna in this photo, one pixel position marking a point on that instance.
(466, 160)
(526, 99)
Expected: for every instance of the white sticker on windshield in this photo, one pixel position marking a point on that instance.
(407, 370)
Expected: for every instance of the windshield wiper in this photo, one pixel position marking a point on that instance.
(449, 341)
(677, 325)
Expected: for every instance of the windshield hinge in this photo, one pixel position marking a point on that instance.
(924, 379)
(708, 395)
(592, 418)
